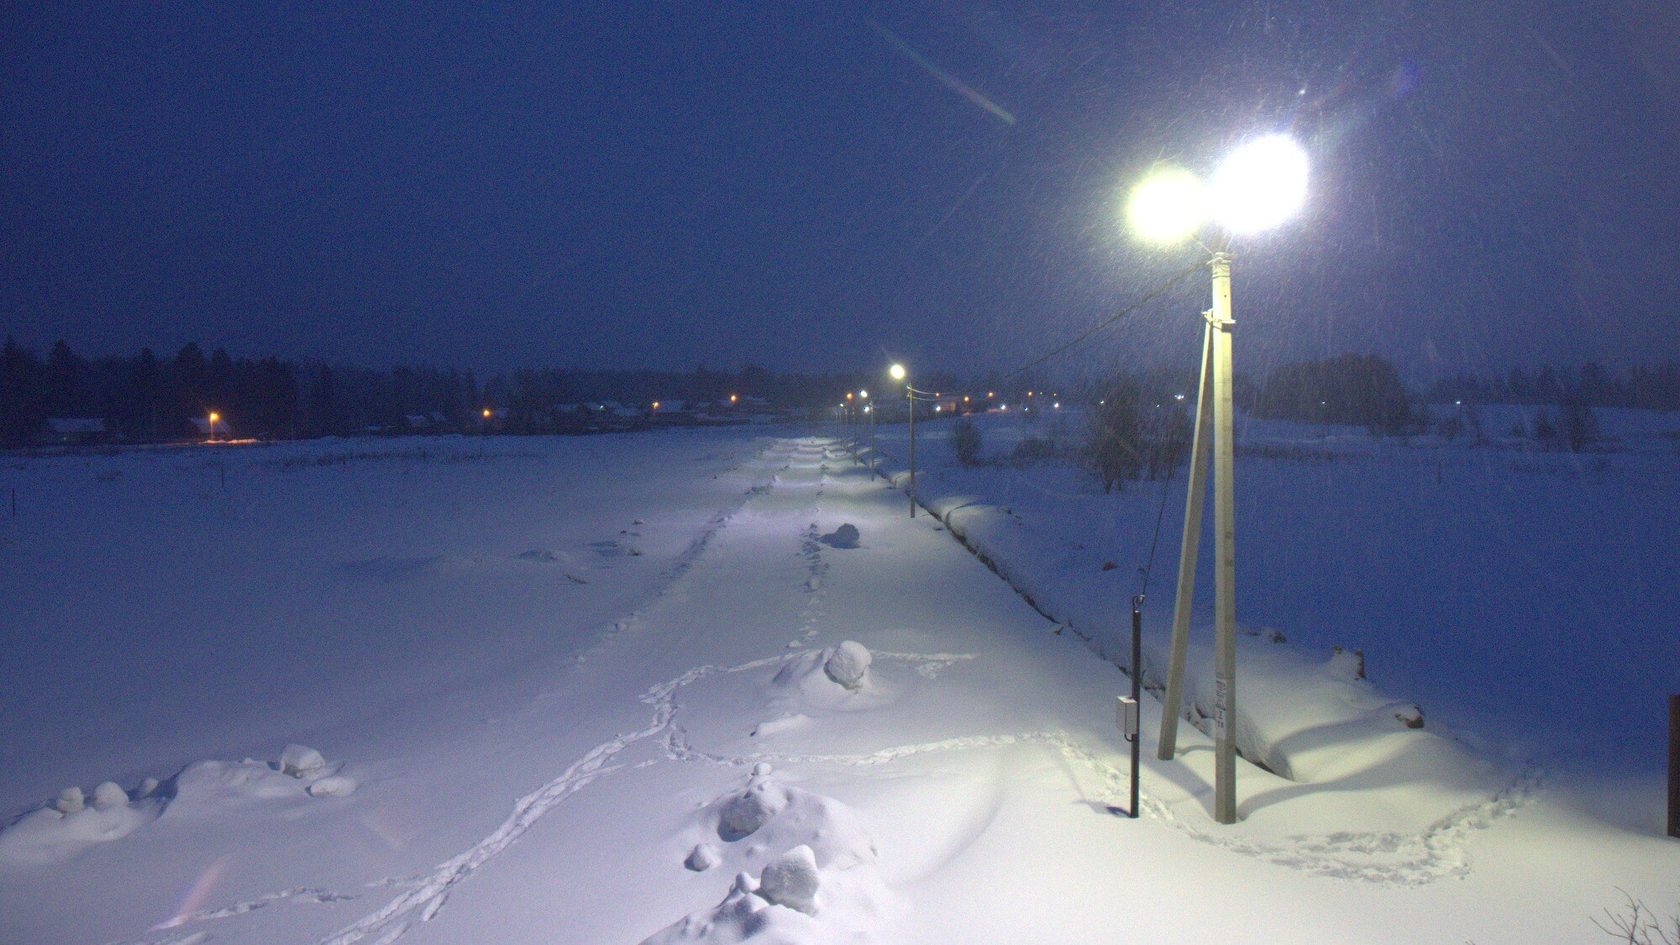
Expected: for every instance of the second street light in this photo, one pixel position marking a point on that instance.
(1260, 184)
(897, 373)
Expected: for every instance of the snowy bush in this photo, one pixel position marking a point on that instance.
(301, 761)
(846, 536)
(69, 800)
(1637, 924)
(848, 664)
(108, 795)
(965, 439)
(748, 811)
(792, 880)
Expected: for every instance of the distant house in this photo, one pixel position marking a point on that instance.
(433, 422)
(202, 425)
(71, 431)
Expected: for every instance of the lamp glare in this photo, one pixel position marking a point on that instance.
(1167, 206)
(1261, 184)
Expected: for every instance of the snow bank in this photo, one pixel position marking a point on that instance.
(1306, 718)
(45, 835)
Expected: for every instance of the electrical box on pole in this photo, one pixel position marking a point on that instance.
(1126, 713)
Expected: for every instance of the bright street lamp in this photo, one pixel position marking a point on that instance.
(1259, 185)
(214, 416)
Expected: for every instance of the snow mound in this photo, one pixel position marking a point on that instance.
(817, 879)
(233, 783)
(792, 880)
(108, 795)
(848, 665)
(846, 536)
(837, 678)
(45, 836)
(333, 785)
(781, 724)
(744, 813)
(301, 761)
(703, 857)
(57, 832)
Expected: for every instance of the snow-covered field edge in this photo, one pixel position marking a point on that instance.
(1305, 717)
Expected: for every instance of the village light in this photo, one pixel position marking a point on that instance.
(1258, 186)
(214, 416)
(486, 413)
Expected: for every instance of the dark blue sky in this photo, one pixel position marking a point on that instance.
(809, 186)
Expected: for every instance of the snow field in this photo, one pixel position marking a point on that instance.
(958, 789)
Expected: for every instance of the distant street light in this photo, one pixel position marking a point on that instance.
(897, 373)
(1260, 185)
(851, 423)
(214, 416)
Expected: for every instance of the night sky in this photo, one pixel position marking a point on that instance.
(817, 186)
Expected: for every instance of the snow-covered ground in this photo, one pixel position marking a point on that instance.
(646, 688)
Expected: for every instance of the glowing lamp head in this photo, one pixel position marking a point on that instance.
(214, 416)
(656, 405)
(863, 394)
(848, 395)
(1168, 206)
(1260, 184)
(486, 413)
(897, 372)
(734, 398)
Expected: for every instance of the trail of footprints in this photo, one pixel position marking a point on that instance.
(1382, 858)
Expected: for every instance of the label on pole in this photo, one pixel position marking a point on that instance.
(1221, 687)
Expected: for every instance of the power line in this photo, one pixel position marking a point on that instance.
(1145, 299)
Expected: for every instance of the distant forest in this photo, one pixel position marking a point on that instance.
(147, 398)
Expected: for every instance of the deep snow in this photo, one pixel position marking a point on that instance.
(621, 689)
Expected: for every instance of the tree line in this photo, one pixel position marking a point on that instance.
(1647, 387)
(148, 398)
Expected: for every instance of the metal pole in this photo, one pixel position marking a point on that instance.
(871, 444)
(1188, 548)
(1137, 695)
(1225, 570)
(910, 393)
(1674, 766)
